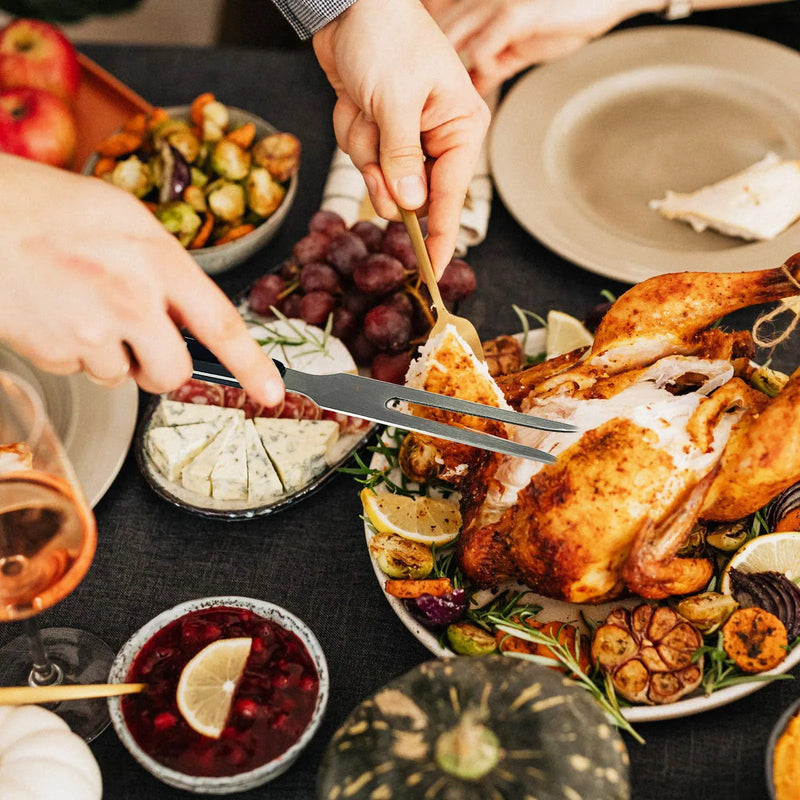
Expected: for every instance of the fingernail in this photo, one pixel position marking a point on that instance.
(372, 184)
(274, 395)
(411, 191)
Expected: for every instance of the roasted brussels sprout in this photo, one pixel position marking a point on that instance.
(728, 536)
(229, 160)
(264, 195)
(195, 197)
(279, 153)
(226, 201)
(417, 459)
(199, 178)
(769, 381)
(707, 611)
(215, 121)
(186, 143)
(133, 176)
(401, 558)
(179, 219)
(468, 639)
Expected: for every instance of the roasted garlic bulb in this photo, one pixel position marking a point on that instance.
(648, 653)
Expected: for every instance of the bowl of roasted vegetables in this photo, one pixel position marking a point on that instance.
(220, 179)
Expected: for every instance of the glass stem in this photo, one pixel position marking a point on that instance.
(43, 671)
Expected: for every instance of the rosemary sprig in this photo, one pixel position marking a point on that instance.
(722, 670)
(507, 606)
(565, 657)
(301, 336)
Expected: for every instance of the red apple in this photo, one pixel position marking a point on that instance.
(35, 53)
(38, 125)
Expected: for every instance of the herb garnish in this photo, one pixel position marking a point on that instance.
(569, 659)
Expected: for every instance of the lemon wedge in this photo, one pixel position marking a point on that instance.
(564, 334)
(427, 520)
(208, 682)
(772, 551)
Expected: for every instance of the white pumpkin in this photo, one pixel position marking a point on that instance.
(42, 759)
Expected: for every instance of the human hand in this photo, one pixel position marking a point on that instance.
(498, 38)
(93, 282)
(406, 112)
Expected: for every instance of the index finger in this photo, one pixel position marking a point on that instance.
(450, 176)
(207, 312)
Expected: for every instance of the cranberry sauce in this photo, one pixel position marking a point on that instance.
(272, 706)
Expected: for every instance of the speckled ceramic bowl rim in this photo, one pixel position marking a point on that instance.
(780, 727)
(245, 780)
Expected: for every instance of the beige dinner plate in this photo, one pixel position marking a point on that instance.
(94, 424)
(579, 146)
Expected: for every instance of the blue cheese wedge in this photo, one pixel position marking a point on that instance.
(172, 448)
(263, 483)
(173, 412)
(196, 475)
(297, 447)
(229, 476)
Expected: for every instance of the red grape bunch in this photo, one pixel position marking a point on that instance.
(367, 279)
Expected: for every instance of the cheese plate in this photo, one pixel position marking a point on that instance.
(210, 450)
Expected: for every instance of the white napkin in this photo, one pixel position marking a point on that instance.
(345, 194)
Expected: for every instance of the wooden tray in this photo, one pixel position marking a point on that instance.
(103, 104)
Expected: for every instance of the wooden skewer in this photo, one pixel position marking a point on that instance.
(22, 695)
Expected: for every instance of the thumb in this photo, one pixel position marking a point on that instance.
(402, 158)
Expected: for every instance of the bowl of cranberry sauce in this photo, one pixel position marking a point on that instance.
(275, 708)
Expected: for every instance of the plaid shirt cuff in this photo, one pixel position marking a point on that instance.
(308, 16)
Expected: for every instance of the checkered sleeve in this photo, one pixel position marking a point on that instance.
(308, 16)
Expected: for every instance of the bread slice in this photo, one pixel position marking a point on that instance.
(756, 204)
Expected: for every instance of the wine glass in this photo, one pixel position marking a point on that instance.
(47, 541)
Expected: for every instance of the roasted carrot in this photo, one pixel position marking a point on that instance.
(242, 136)
(562, 632)
(201, 237)
(235, 233)
(196, 111)
(411, 588)
(157, 116)
(122, 143)
(103, 166)
(136, 124)
(755, 639)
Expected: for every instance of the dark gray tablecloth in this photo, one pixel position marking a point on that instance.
(311, 558)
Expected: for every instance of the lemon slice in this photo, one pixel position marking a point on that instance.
(564, 334)
(208, 682)
(772, 551)
(428, 520)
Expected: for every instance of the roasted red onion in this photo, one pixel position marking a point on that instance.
(788, 500)
(773, 592)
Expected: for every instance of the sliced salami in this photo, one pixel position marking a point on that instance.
(347, 424)
(199, 392)
(298, 406)
(270, 411)
(234, 396)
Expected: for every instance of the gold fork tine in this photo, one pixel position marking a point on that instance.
(443, 317)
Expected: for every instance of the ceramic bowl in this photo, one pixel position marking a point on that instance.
(242, 781)
(777, 731)
(220, 258)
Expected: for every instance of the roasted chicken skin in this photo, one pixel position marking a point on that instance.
(670, 434)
